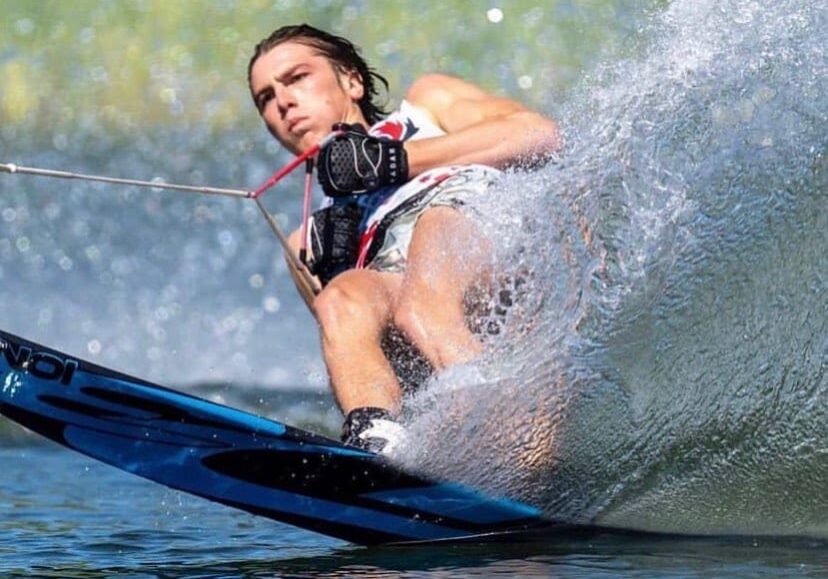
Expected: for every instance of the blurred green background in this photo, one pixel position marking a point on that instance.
(124, 64)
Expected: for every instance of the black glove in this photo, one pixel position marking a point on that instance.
(334, 237)
(355, 162)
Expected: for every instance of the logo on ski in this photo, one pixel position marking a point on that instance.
(39, 364)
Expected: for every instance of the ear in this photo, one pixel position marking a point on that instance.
(352, 82)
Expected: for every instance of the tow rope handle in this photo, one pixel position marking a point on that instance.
(308, 286)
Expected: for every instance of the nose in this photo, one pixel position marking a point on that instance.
(285, 98)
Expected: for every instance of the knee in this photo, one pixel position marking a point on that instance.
(342, 312)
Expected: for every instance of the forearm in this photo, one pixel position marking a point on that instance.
(521, 138)
(306, 284)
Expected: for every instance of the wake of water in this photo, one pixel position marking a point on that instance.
(666, 370)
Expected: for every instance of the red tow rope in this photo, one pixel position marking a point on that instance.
(286, 170)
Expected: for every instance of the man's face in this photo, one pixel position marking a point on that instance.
(300, 95)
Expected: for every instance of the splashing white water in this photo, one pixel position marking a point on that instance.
(666, 370)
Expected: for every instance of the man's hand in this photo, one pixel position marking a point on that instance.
(355, 162)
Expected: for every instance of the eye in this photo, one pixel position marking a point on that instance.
(297, 77)
(264, 98)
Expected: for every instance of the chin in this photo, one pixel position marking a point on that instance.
(292, 145)
(307, 142)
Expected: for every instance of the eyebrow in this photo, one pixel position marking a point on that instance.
(280, 77)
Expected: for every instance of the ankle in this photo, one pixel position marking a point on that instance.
(359, 418)
(372, 428)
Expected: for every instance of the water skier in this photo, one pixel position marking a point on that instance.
(392, 246)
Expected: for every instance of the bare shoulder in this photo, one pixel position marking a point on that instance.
(439, 89)
(455, 103)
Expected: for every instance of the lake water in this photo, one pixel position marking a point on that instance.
(665, 370)
(68, 516)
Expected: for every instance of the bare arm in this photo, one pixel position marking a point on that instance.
(306, 283)
(480, 128)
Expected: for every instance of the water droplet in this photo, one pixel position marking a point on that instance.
(94, 347)
(271, 304)
(494, 15)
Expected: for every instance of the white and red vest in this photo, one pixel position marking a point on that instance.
(408, 122)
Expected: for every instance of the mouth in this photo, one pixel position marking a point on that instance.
(293, 124)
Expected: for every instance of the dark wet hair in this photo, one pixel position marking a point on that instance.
(340, 51)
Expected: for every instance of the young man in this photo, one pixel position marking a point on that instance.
(392, 246)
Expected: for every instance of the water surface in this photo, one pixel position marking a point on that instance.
(68, 516)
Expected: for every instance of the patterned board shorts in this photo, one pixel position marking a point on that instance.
(395, 228)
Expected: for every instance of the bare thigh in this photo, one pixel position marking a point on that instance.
(447, 254)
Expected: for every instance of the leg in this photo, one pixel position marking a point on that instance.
(447, 254)
(354, 311)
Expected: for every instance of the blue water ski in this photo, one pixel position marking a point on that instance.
(239, 459)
